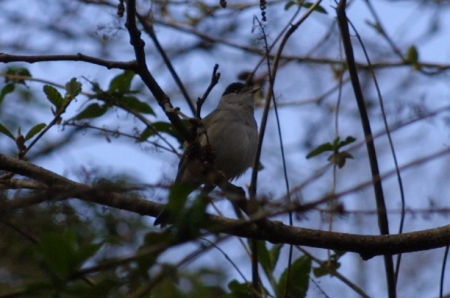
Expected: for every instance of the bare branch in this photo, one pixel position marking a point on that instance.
(275, 232)
(6, 58)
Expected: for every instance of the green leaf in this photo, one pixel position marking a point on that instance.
(336, 142)
(267, 258)
(6, 90)
(122, 82)
(275, 253)
(136, 105)
(73, 88)
(189, 221)
(34, 130)
(178, 197)
(87, 252)
(339, 158)
(375, 26)
(347, 141)
(165, 127)
(152, 239)
(330, 264)
(289, 5)
(19, 71)
(6, 132)
(318, 8)
(320, 149)
(96, 87)
(240, 290)
(298, 283)
(168, 128)
(92, 111)
(413, 57)
(413, 54)
(333, 147)
(53, 96)
(263, 256)
(59, 251)
(148, 132)
(40, 289)
(326, 267)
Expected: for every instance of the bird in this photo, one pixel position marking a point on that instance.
(231, 131)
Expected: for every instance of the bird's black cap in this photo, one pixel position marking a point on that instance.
(237, 88)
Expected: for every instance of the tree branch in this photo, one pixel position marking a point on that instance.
(6, 58)
(367, 246)
(142, 70)
(368, 137)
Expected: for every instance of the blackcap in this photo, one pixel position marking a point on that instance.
(232, 133)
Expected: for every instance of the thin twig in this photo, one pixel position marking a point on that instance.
(334, 272)
(142, 70)
(6, 58)
(442, 279)
(214, 80)
(373, 160)
(148, 28)
(391, 146)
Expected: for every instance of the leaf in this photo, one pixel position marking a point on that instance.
(122, 82)
(86, 252)
(136, 105)
(318, 8)
(92, 111)
(239, 290)
(339, 158)
(148, 132)
(263, 256)
(178, 197)
(169, 129)
(326, 267)
(6, 90)
(375, 26)
(413, 57)
(298, 283)
(188, 221)
(6, 132)
(330, 264)
(289, 5)
(275, 253)
(59, 250)
(165, 127)
(334, 147)
(62, 253)
(73, 88)
(320, 149)
(267, 258)
(34, 130)
(96, 87)
(53, 96)
(347, 141)
(19, 71)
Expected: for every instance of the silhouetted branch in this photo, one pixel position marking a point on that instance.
(6, 58)
(142, 70)
(367, 246)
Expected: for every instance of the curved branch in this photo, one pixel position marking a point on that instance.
(367, 246)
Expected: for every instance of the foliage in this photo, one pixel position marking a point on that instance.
(94, 80)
